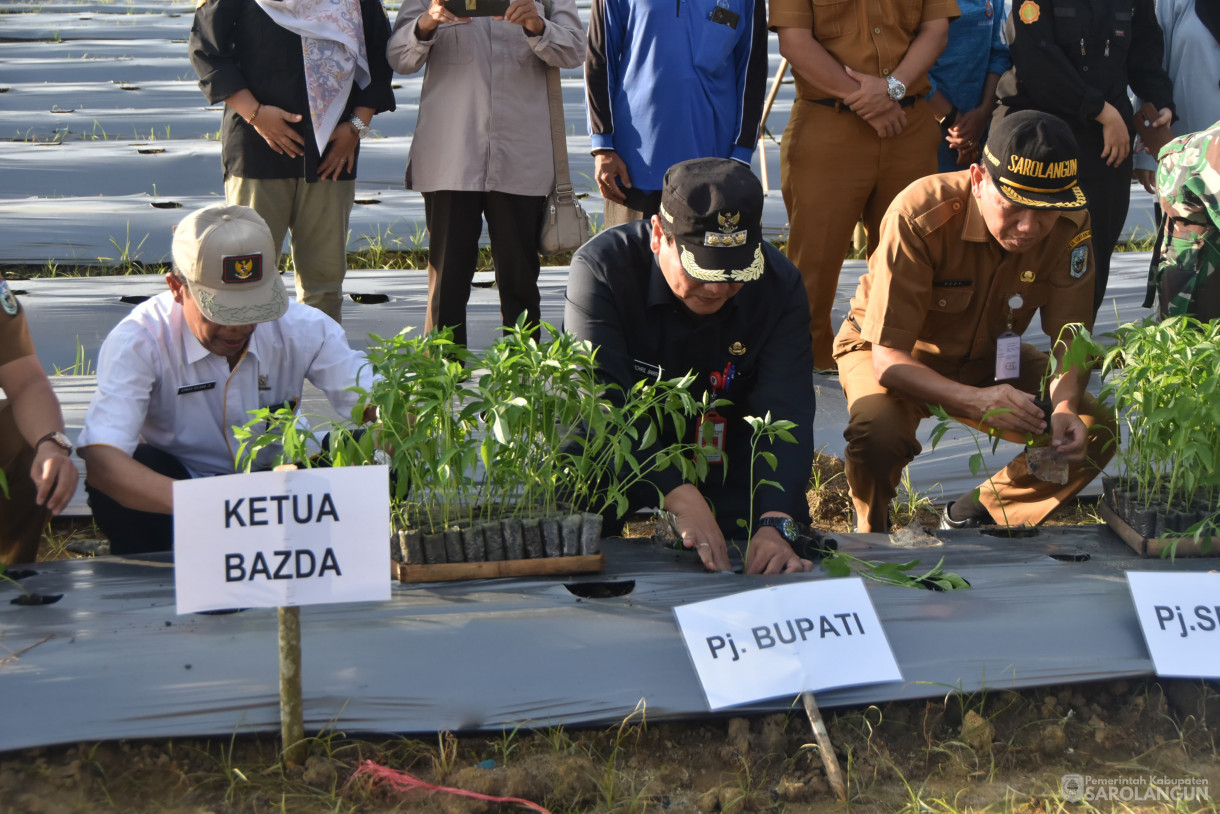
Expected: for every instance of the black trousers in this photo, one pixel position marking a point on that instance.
(1108, 190)
(131, 531)
(455, 221)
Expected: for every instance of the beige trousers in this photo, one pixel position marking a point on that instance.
(317, 215)
(881, 441)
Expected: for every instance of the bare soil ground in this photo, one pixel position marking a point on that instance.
(996, 751)
(1137, 746)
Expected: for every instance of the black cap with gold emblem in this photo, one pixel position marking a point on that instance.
(1033, 158)
(714, 208)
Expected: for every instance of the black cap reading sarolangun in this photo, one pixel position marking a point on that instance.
(1033, 158)
(714, 208)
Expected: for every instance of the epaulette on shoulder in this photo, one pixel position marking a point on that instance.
(936, 217)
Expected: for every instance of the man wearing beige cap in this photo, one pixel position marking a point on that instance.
(186, 366)
(966, 260)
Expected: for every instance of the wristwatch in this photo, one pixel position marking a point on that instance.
(788, 528)
(898, 91)
(362, 129)
(806, 541)
(58, 439)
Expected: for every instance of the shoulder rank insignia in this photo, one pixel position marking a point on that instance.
(7, 301)
(1029, 12)
(1080, 261)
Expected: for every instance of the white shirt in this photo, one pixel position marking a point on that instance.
(157, 385)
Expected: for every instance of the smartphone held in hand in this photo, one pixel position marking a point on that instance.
(477, 8)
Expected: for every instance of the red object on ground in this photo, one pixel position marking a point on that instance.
(401, 781)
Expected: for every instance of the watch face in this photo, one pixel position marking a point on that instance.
(784, 525)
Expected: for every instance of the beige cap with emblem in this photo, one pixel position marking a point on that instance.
(227, 257)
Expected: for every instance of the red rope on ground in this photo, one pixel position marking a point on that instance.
(403, 782)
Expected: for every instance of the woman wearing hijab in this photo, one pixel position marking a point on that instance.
(1192, 60)
(300, 80)
(482, 146)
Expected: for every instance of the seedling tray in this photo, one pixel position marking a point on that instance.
(1146, 547)
(545, 566)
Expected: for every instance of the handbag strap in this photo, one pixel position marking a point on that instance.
(559, 140)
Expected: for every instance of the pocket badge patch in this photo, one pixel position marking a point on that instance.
(1080, 261)
(1029, 12)
(246, 268)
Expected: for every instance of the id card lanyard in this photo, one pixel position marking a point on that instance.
(1008, 346)
(719, 380)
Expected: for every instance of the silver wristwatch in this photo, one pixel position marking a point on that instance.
(897, 90)
(362, 129)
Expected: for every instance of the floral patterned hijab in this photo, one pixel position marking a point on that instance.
(332, 38)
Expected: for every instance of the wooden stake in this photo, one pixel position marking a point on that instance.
(770, 100)
(292, 719)
(829, 760)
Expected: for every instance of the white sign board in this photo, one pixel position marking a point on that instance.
(1180, 616)
(786, 640)
(275, 539)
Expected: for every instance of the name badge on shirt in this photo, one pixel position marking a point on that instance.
(646, 369)
(195, 388)
(1007, 356)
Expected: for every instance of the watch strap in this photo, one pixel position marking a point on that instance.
(58, 439)
(784, 525)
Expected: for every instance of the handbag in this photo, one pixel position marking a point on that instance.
(565, 226)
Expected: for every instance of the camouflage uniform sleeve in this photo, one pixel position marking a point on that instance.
(1188, 243)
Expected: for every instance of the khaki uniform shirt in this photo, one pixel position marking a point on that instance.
(939, 285)
(15, 341)
(869, 37)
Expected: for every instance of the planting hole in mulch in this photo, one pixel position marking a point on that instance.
(600, 590)
(369, 299)
(17, 575)
(367, 201)
(37, 599)
(133, 299)
(1070, 556)
(1011, 532)
(151, 150)
(165, 205)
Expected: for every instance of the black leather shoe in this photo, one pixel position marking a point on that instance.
(947, 522)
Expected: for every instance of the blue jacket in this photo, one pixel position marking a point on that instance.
(666, 83)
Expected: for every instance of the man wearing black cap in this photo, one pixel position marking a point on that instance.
(965, 260)
(697, 289)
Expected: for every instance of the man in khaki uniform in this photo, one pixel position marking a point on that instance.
(40, 476)
(965, 260)
(860, 129)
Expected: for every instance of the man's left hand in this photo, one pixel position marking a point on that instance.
(525, 14)
(769, 553)
(871, 99)
(340, 151)
(55, 476)
(1068, 435)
